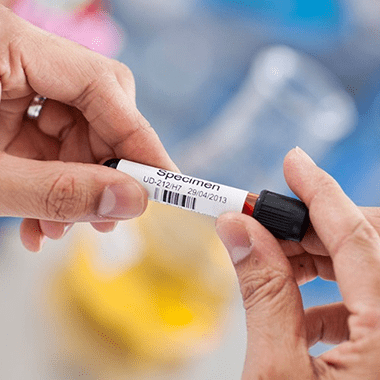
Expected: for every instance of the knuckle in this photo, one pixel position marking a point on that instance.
(88, 93)
(140, 128)
(125, 70)
(367, 320)
(66, 198)
(364, 232)
(365, 326)
(99, 79)
(363, 235)
(144, 124)
(263, 285)
(126, 80)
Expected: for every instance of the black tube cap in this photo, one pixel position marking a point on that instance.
(112, 163)
(286, 218)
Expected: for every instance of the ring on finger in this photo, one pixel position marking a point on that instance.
(35, 107)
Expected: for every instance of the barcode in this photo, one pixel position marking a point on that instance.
(173, 198)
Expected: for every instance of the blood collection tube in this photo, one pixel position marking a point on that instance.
(285, 217)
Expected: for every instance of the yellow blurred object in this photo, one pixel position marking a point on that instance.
(165, 307)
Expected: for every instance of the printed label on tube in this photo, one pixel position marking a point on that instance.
(186, 192)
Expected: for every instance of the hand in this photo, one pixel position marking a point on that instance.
(90, 115)
(310, 258)
(279, 330)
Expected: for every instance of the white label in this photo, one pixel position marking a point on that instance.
(186, 192)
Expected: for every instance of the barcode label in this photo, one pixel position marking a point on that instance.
(186, 192)
(173, 198)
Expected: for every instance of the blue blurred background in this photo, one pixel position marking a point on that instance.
(231, 86)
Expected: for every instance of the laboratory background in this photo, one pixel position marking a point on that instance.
(230, 87)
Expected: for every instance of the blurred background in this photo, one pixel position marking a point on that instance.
(230, 87)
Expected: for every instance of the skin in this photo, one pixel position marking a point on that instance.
(48, 177)
(344, 246)
(47, 170)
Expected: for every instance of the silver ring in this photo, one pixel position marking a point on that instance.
(35, 107)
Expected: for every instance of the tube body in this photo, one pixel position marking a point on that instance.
(195, 194)
(286, 218)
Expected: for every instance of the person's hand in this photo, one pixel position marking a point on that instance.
(279, 330)
(90, 114)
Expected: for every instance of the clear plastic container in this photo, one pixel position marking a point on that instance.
(288, 99)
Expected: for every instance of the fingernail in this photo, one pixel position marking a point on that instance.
(43, 239)
(304, 155)
(122, 201)
(236, 239)
(67, 228)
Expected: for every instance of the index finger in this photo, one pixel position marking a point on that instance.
(352, 242)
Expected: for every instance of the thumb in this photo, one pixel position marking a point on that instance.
(276, 340)
(70, 192)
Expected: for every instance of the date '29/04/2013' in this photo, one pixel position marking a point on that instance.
(190, 191)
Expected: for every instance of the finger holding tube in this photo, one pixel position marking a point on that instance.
(67, 192)
(276, 333)
(101, 88)
(279, 331)
(353, 243)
